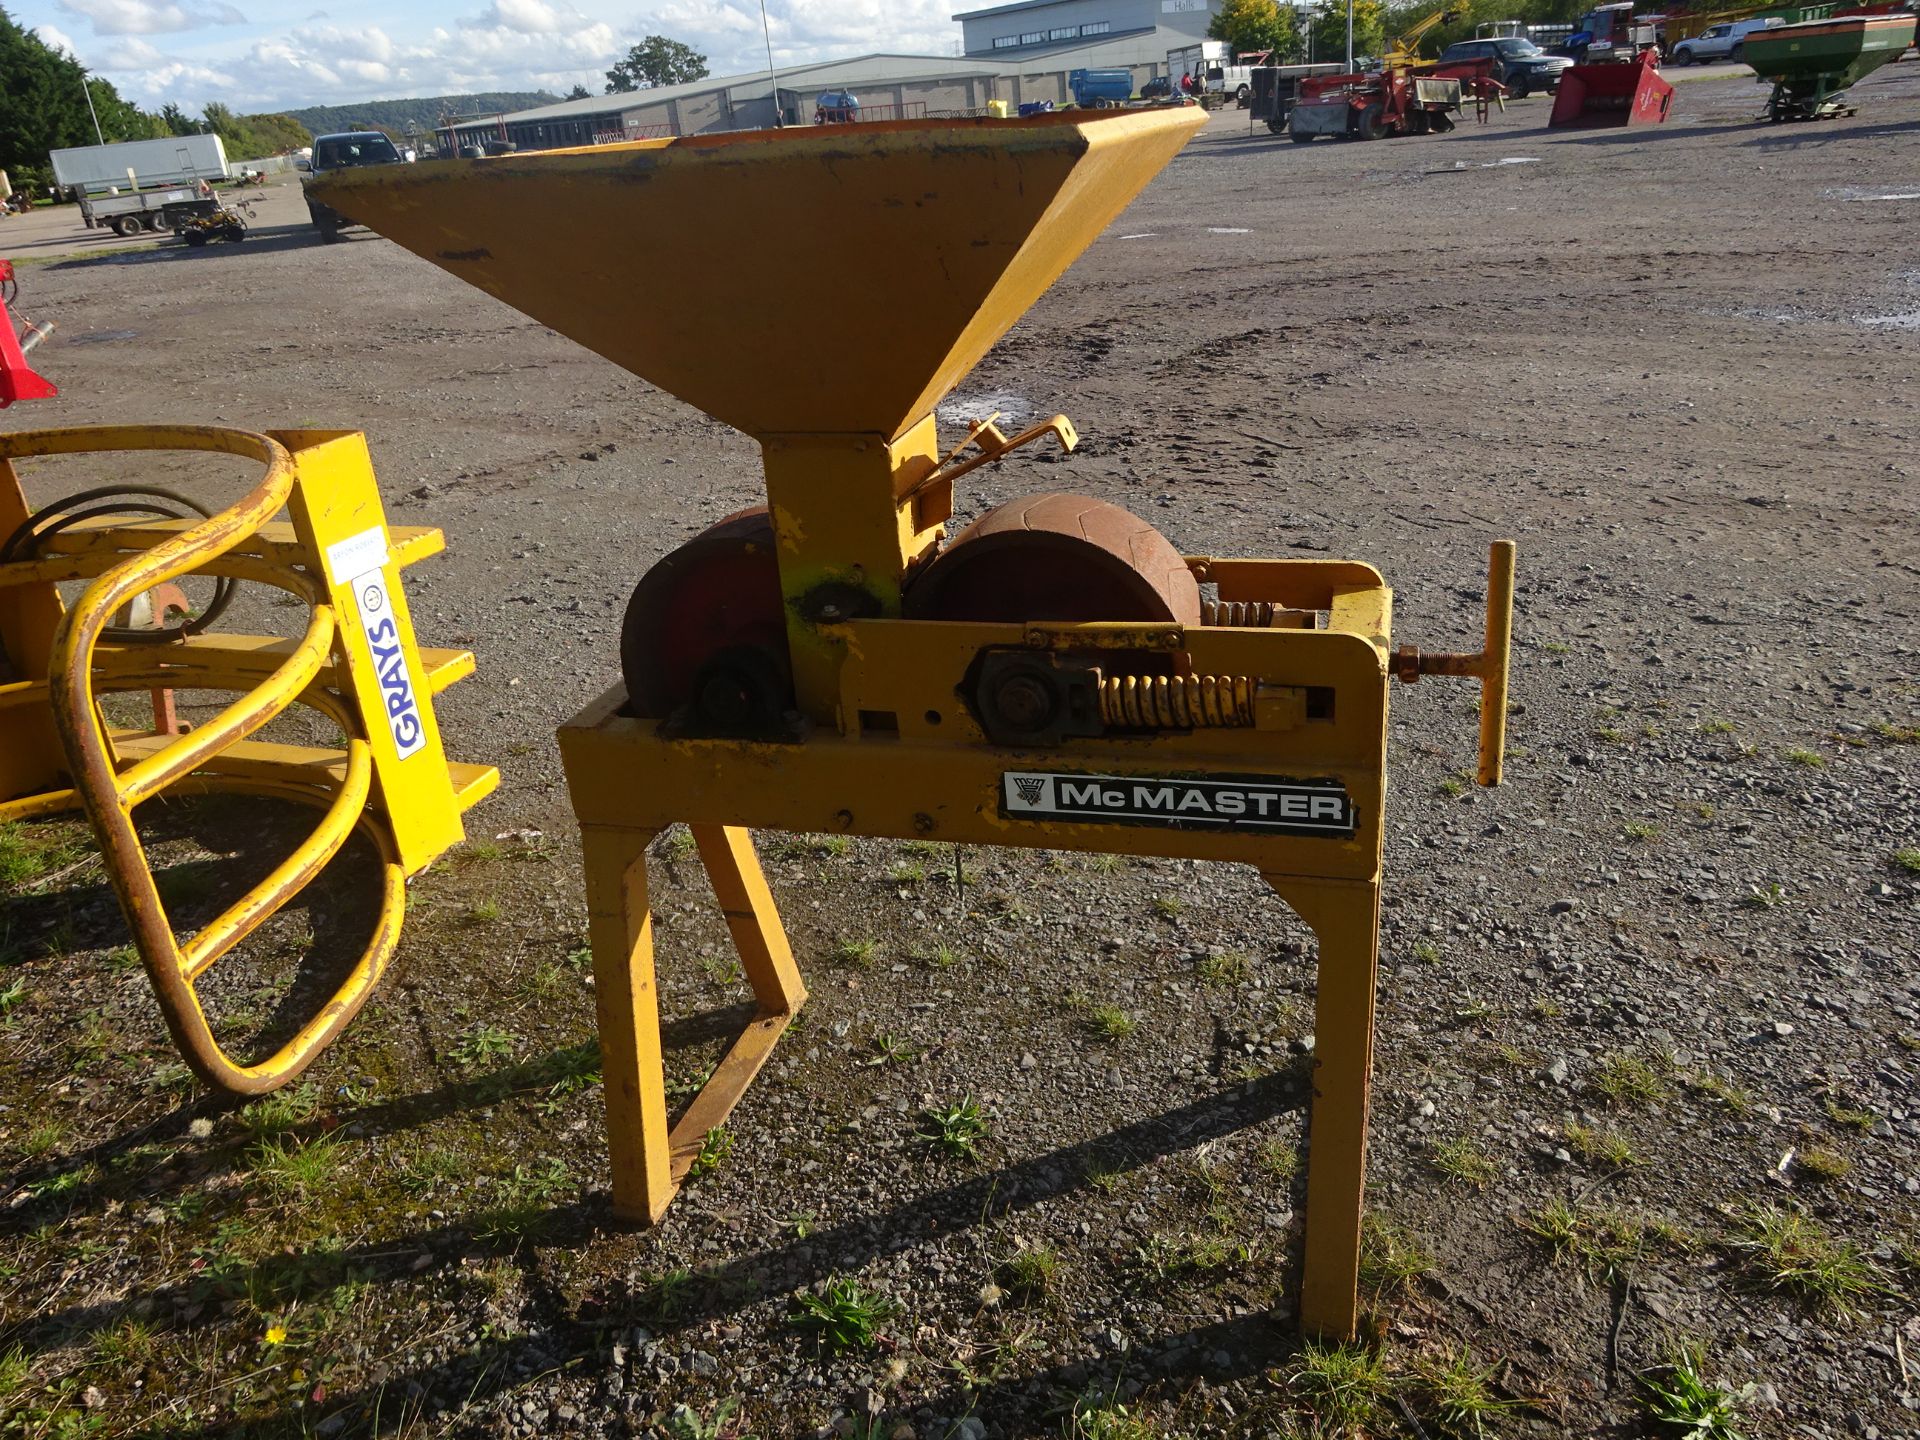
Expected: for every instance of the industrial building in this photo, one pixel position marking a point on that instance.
(1071, 33)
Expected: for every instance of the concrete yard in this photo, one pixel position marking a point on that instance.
(1649, 1023)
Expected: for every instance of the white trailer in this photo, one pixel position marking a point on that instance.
(140, 164)
(1214, 69)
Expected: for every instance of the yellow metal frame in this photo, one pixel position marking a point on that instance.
(356, 665)
(930, 773)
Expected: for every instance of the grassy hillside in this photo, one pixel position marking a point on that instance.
(399, 116)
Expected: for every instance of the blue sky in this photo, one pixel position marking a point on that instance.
(257, 55)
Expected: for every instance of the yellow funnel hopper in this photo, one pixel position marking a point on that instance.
(832, 279)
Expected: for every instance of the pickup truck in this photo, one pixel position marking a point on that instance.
(345, 151)
(1718, 42)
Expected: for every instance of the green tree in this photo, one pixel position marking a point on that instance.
(656, 60)
(43, 106)
(579, 92)
(177, 121)
(1251, 25)
(1369, 31)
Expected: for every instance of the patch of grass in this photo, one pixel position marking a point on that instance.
(957, 1129)
(723, 970)
(1111, 1023)
(1718, 1087)
(677, 844)
(11, 997)
(1557, 647)
(1224, 967)
(1811, 759)
(484, 912)
(1029, 1271)
(1605, 1242)
(131, 1342)
(888, 1049)
(297, 1168)
(1545, 1010)
(483, 850)
(1280, 1160)
(1642, 830)
(1682, 1401)
(1458, 1393)
(1758, 899)
(1786, 1250)
(1822, 1165)
(1425, 951)
(523, 1201)
(281, 1112)
(1391, 1256)
(907, 872)
(15, 1370)
(1624, 1080)
(1168, 907)
(1897, 734)
(1106, 864)
(715, 1146)
(1345, 1386)
(1462, 1159)
(1714, 725)
(481, 1044)
(28, 856)
(858, 953)
(1908, 860)
(1600, 1147)
(1609, 733)
(1861, 1120)
(844, 1314)
(1704, 810)
(1451, 788)
(941, 957)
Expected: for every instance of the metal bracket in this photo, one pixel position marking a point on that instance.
(1489, 665)
(994, 445)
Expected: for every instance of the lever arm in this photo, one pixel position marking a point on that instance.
(1489, 665)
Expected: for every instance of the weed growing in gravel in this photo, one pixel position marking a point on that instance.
(1459, 1392)
(1462, 1159)
(1642, 830)
(1280, 1159)
(907, 872)
(888, 1049)
(1786, 1250)
(129, 1343)
(858, 953)
(1717, 1087)
(956, 1129)
(1908, 860)
(1758, 899)
(484, 913)
(845, 1315)
(1168, 907)
(481, 1044)
(1391, 1256)
(1713, 725)
(1104, 1174)
(723, 970)
(686, 1423)
(481, 850)
(1030, 1271)
(1545, 1010)
(522, 1201)
(1861, 1120)
(677, 844)
(292, 1168)
(1425, 951)
(1599, 1147)
(282, 1111)
(1451, 788)
(15, 1369)
(1609, 734)
(26, 857)
(1704, 810)
(1343, 1385)
(1101, 1417)
(11, 997)
(1821, 1165)
(1557, 647)
(1680, 1398)
(665, 1295)
(1811, 759)
(1624, 1080)
(1111, 1023)
(715, 1146)
(1105, 864)
(1224, 967)
(1897, 734)
(941, 957)
(1605, 1242)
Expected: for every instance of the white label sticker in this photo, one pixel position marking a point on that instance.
(397, 690)
(357, 554)
(1180, 802)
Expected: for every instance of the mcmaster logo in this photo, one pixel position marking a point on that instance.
(1199, 802)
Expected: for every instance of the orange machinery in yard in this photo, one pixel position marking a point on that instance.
(17, 378)
(1373, 105)
(1606, 94)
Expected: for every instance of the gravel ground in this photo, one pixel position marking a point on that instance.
(1648, 1014)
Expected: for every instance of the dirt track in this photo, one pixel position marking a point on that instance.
(1677, 365)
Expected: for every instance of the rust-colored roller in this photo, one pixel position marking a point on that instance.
(1063, 558)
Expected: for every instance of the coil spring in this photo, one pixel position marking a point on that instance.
(1189, 701)
(1251, 614)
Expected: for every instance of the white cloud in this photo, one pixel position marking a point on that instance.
(130, 53)
(151, 17)
(728, 32)
(54, 37)
(530, 17)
